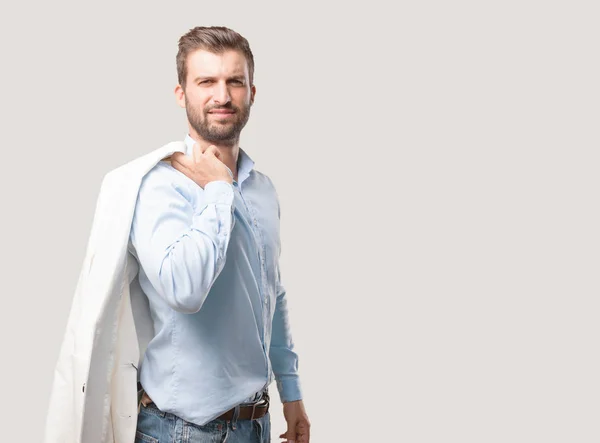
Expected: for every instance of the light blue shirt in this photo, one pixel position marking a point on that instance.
(209, 264)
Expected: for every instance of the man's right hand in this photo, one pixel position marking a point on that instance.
(205, 165)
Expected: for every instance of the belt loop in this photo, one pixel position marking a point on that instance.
(236, 415)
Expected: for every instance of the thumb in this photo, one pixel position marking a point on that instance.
(197, 151)
(291, 435)
(212, 149)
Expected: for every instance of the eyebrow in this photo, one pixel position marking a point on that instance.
(210, 77)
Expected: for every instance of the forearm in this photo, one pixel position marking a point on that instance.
(181, 248)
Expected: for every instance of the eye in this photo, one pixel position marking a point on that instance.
(204, 82)
(237, 82)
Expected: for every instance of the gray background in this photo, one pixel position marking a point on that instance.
(437, 164)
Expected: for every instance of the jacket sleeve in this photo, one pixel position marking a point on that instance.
(181, 240)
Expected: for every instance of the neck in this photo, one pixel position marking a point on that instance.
(229, 151)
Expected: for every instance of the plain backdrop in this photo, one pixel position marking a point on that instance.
(438, 170)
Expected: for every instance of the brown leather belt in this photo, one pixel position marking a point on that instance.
(247, 412)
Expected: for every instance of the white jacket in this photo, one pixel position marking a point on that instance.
(94, 393)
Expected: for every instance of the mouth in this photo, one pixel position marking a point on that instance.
(222, 112)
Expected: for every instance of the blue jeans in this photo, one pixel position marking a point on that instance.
(156, 426)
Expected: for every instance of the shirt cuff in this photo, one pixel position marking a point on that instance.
(218, 192)
(289, 389)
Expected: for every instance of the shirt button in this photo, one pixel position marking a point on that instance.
(255, 222)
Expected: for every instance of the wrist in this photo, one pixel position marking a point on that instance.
(226, 179)
(219, 192)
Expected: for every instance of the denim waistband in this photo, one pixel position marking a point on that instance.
(256, 397)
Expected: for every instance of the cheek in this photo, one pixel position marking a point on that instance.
(196, 99)
(242, 99)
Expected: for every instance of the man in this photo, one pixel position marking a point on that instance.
(206, 234)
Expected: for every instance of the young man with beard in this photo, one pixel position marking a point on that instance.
(206, 234)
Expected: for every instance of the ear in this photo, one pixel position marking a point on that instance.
(180, 95)
(252, 94)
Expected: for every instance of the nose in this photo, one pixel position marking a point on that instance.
(221, 93)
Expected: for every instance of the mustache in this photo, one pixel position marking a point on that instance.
(229, 107)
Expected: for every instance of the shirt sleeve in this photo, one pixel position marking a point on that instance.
(284, 360)
(181, 245)
(281, 353)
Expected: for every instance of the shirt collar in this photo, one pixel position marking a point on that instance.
(245, 164)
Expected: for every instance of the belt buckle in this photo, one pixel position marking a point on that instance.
(264, 401)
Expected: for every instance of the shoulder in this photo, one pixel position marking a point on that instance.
(136, 169)
(263, 179)
(165, 179)
(265, 186)
(161, 172)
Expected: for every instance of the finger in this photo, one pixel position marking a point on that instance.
(303, 430)
(181, 167)
(176, 156)
(212, 149)
(176, 160)
(291, 436)
(197, 151)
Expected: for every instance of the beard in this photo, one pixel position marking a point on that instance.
(223, 132)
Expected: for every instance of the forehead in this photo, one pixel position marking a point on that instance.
(206, 63)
